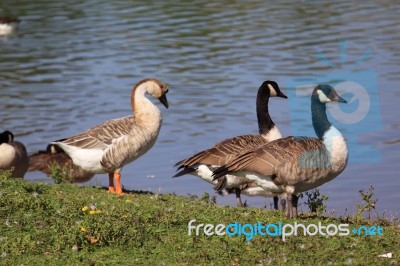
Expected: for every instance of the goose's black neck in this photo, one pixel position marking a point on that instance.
(6, 137)
(320, 120)
(3, 138)
(265, 123)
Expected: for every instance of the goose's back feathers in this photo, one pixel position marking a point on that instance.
(288, 160)
(222, 152)
(115, 142)
(102, 135)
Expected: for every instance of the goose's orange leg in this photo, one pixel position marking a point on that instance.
(118, 188)
(111, 188)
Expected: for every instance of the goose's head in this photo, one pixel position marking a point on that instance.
(155, 88)
(273, 89)
(6, 137)
(326, 94)
(53, 149)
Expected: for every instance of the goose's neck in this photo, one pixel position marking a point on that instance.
(265, 123)
(142, 106)
(320, 120)
(333, 140)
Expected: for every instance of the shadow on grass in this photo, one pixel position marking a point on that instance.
(128, 191)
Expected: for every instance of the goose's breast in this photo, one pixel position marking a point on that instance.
(337, 149)
(128, 148)
(7, 156)
(339, 154)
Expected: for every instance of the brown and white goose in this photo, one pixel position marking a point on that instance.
(13, 155)
(107, 147)
(203, 163)
(296, 164)
(53, 155)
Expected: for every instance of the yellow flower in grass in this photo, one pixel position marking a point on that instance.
(85, 208)
(83, 229)
(128, 201)
(95, 212)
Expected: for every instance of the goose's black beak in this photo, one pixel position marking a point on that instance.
(163, 100)
(280, 94)
(339, 99)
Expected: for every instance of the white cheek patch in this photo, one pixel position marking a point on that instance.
(272, 91)
(322, 97)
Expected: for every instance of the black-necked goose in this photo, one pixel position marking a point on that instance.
(296, 164)
(53, 155)
(13, 155)
(107, 147)
(203, 163)
(8, 25)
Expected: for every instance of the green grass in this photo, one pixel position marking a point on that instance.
(49, 224)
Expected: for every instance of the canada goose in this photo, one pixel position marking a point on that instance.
(203, 163)
(13, 155)
(53, 155)
(295, 164)
(8, 25)
(107, 147)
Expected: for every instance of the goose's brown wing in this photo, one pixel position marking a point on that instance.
(297, 152)
(221, 153)
(102, 135)
(224, 151)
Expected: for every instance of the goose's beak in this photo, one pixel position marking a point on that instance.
(163, 100)
(339, 99)
(280, 94)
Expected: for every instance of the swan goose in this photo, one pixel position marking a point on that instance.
(107, 147)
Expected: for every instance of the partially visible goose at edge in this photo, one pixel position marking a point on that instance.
(107, 147)
(8, 25)
(13, 155)
(296, 164)
(54, 156)
(203, 163)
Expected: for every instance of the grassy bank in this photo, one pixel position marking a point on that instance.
(70, 225)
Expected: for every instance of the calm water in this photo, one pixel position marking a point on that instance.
(73, 65)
